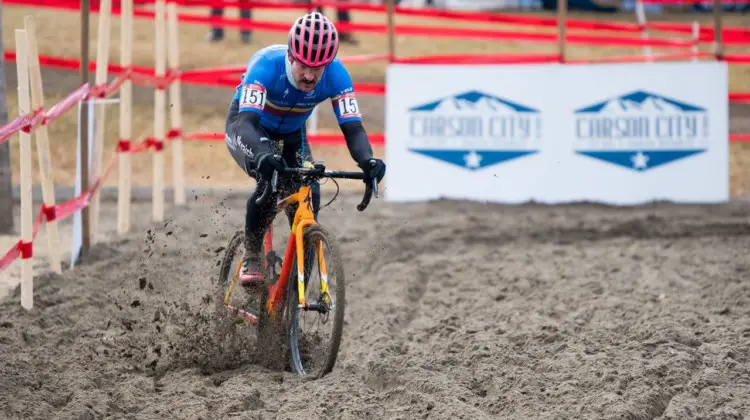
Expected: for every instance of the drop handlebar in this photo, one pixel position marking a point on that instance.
(319, 171)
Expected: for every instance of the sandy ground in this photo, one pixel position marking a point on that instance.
(455, 310)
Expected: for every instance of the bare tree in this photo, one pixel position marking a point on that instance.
(6, 185)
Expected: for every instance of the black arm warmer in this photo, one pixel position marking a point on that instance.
(356, 141)
(249, 133)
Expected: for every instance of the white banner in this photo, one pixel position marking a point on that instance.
(618, 134)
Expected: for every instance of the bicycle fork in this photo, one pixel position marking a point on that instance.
(326, 304)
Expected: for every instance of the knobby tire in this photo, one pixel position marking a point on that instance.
(335, 269)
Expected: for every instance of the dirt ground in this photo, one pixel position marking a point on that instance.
(454, 311)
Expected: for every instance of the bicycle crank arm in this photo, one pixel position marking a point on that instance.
(247, 316)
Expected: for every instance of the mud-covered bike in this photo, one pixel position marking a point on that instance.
(282, 314)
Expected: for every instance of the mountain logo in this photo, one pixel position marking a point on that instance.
(474, 130)
(641, 130)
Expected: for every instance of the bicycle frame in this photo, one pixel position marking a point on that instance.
(303, 218)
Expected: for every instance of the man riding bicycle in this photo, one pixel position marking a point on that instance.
(265, 127)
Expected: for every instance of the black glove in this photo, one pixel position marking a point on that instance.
(373, 169)
(266, 163)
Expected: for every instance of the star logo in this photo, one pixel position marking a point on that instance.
(640, 161)
(472, 159)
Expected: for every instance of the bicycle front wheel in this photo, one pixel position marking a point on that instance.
(315, 332)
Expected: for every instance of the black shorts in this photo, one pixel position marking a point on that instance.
(293, 147)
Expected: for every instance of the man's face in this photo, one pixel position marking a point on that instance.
(305, 77)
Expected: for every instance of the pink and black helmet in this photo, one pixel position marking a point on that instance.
(313, 40)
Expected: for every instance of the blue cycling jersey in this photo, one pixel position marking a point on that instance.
(268, 89)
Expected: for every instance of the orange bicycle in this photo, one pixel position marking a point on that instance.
(280, 311)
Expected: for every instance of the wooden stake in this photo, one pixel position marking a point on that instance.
(178, 169)
(6, 175)
(27, 219)
(83, 126)
(126, 125)
(102, 61)
(718, 48)
(391, 33)
(696, 38)
(562, 13)
(159, 117)
(640, 14)
(42, 144)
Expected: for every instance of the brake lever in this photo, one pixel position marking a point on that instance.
(268, 189)
(366, 199)
(370, 187)
(374, 181)
(274, 179)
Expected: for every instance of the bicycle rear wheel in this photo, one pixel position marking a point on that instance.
(315, 336)
(270, 346)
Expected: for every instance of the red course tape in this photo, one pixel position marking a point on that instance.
(158, 145)
(50, 212)
(10, 256)
(27, 250)
(123, 146)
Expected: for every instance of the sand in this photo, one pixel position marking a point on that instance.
(454, 311)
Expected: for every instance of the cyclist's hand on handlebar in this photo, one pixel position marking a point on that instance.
(373, 169)
(266, 163)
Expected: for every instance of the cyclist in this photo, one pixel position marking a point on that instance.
(265, 127)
